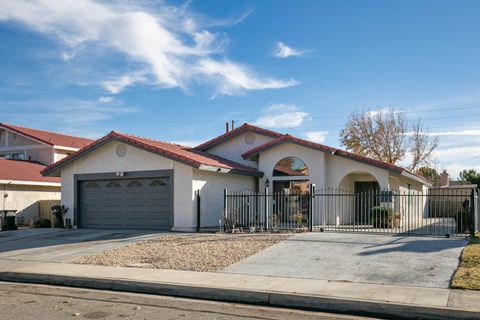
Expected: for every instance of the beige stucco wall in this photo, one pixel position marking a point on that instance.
(104, 160)
(234, 148)
(314, 160)
(338, 168)
(211, 186)
(23, 198)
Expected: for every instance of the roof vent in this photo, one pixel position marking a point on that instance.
(121, 150)
(249, 138)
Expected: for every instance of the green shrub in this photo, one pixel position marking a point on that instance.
(464, 222)
(382, 217)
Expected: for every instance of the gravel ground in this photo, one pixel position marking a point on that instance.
(208, 253)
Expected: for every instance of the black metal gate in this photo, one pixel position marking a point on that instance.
(438, 212)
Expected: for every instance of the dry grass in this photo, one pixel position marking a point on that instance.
(185, 252)
(467, 275)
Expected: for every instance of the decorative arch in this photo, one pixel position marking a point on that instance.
(290, 174)
(290, 166)
(347, 182)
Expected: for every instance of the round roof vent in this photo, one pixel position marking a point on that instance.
(121, 150)
(249, 138)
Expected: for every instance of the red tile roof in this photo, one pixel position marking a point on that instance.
(51, 138)
(21, 170)
(187, 155)
(236, 131)
(338, 152)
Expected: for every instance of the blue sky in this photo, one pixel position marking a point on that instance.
(176, 70)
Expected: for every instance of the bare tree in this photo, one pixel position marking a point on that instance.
(380, 136)
(385, 136)
(422, 145)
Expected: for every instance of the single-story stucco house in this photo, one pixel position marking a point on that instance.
(126, 181)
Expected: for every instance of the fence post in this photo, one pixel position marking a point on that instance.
(198, 211)
(475, 212)
(266, 209)
(224, 210)
(310, 206)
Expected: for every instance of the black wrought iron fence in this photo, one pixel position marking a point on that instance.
(436, 212)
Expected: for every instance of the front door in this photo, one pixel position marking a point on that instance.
(367, 196)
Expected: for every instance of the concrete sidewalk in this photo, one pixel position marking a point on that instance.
(323, 295)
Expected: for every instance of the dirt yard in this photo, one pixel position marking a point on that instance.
(202, 252)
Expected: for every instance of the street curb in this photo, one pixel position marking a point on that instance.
(273, 299)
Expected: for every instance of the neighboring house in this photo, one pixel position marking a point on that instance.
(125, 181)
(24, 153)
(44, 147)
(450, 196)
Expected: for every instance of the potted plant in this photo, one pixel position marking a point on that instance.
(59, 212)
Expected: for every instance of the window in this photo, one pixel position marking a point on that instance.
(113, 184)
(134, 184)
(157, 183)
(290, 166)
(18, 156)
(92, 185)
(15, 156)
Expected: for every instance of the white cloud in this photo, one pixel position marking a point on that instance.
(115, 86)
(67, 56)
(316, 136)
(105, 99)
(166, 41)
(69, 115)
(373, 113)
(231, 78)
(281, 116)
(457, 133)
(284, 51)
(188, 143)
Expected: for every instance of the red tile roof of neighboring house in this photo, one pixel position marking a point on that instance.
(21, 170)
(236, 131)
(187, 155)
(51, 138)
(338, 152)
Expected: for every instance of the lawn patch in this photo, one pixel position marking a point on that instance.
(467, 275)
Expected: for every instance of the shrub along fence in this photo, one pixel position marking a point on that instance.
(445, 212)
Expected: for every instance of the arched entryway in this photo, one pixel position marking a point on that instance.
(366, 188)
(290, 174)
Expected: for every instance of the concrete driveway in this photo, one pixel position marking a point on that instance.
(55, 245)
(384, 259)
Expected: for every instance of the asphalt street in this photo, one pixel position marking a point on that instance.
(25, 302)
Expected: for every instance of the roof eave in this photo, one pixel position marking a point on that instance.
(232, 171)
(416, 178)
(226, 136)
(30, 183)
(249, 155)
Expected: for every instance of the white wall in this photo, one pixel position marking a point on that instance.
(234, 148)
(23, 198)
(314, 160)
(338, 168)
(59, 155)
(105, 160)
(211, 186)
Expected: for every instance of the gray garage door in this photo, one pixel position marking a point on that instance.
(125, 203)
